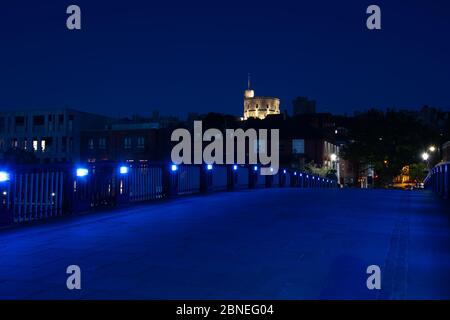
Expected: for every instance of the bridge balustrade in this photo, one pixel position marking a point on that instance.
(37, 192)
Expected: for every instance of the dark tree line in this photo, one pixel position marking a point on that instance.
(391, 139)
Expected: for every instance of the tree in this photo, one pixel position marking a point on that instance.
(417, 171)
(388, 141)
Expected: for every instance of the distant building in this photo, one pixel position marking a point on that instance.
(446, 152)
(126, 142)
(259, 107)
(301, 105)
(52, 135)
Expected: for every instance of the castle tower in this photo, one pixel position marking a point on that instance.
(259, 107)
(249, 93)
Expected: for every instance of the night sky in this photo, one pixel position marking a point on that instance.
(136, 56)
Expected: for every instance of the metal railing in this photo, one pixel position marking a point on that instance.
(38, 192)
(438, 179)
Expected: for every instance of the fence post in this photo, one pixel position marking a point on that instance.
(80, 191)
(269, 180)
(6, 200)
(232, 176)
(252, 176)
(293, 179)
(447, 181)
(170, 180)
(206, 178)
(122, 185)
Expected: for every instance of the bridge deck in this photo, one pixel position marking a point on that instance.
(268, 243)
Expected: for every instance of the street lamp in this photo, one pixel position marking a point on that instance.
(432, 148)
(333, 157)
(425, 156)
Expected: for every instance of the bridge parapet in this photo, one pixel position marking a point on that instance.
(438, 179)
(31, 193)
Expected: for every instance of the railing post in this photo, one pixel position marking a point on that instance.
(81, 190)
(269, 181)
(252, 176)
(6, 200)
(282, 178)
(232, 176)
(292, 179)
(447, 180)
(205, 178)
(170, 180)
(122, 191)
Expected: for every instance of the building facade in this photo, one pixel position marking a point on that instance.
(51, 135)
(126, 142)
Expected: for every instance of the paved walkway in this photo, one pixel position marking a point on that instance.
(269, 243)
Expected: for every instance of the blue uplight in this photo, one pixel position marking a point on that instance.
(174, 167)
(295, 173)
(284, 171)
(209, 167)
(255, 168)
(123, 170)
(235, 167)
(82, 172)
(4, 176)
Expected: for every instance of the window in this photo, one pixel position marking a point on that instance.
(64, 144)
(35, 145)
(102, 143)
(91, 144)
(38, 120)
(43, 145)
(20, 121)
(127, 143)
(2, 125)
(50, 123)
(71, 117)
(140, 142)
(298, 146)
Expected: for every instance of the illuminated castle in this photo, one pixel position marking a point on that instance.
(259, 107)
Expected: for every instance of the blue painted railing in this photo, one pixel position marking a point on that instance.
(31, 193)
(438, 179)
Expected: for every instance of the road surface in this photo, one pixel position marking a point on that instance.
(252, 244)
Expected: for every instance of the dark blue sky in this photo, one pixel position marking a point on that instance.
(178, 56)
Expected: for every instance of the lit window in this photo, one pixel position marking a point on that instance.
(102, 143)
(127, 143)
(43, 145)
(91, 144)
(141, 142)
(35, 145)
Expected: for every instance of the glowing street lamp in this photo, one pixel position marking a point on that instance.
(333, 157)
(425, 156)
(432, 148)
